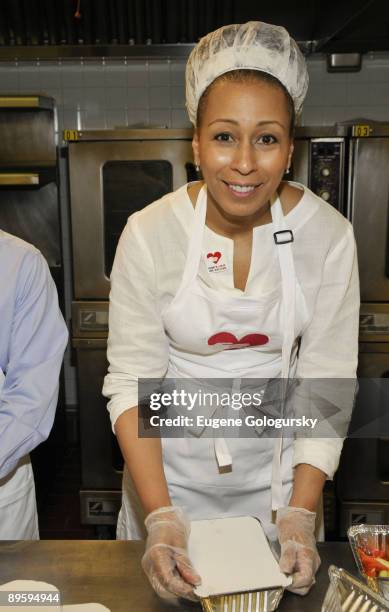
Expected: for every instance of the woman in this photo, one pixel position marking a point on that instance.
(285, 277)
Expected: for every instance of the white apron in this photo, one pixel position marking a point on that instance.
(18, 514)
(195, 468)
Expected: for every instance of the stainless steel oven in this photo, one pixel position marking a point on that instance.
(101, 460)
(363, 476)
(112, 174)
(348, 166)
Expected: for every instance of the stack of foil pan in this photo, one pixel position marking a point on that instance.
(348, 594)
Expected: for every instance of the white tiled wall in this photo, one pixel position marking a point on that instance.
(104, 94)
(114, 93)
(109, 94)
(336, 97)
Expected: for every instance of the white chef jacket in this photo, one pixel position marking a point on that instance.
(148, 269)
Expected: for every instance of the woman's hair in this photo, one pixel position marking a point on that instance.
(249, 76)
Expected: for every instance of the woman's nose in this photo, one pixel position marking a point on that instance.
(245, 159)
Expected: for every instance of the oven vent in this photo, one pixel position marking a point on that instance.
(110, 22)
(94, 28)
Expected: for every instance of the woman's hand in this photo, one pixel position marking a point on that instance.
(166, 561)
(299, 556)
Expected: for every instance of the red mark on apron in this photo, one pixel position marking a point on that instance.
(230, 339)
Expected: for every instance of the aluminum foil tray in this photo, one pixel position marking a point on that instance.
(348, 594)
(238, 566)
(258, 601)
(368, 538)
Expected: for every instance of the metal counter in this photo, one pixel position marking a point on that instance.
(109, 572)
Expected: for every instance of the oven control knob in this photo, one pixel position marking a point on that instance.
(325, 171)
(325, 195)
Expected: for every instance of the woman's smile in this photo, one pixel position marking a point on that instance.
(242, 190)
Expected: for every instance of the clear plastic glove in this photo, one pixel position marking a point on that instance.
(166, 562)
(299, 556)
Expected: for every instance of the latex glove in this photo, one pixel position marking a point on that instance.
(166, 561)
(299, 556)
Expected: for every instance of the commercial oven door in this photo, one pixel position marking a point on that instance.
(101, 460)
(109, 181)
(369, 201)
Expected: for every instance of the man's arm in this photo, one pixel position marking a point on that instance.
(36, 343)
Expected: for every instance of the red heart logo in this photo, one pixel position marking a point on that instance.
(255, 339)
(215, 256)
(228, 338)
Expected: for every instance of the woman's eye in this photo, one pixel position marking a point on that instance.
(267, 139)
(223, 137)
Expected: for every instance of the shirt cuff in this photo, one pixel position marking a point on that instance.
(117, 407)
(321, 453)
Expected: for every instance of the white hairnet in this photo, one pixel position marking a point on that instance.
(254, 45)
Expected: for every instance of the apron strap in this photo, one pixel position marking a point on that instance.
(283, 239)
(193, 256)
(223, 455)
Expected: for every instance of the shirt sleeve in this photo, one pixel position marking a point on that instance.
(137, 344)
(37, 340)
(329, 345)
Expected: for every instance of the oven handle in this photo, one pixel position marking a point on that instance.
(28, 102)
(18, 178)
(19, 102)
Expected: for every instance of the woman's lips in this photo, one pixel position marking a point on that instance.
(242, 191)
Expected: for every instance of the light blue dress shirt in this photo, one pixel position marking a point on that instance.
(33, 337)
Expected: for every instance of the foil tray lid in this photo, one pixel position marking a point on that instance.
(233, 555)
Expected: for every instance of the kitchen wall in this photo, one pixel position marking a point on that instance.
(113, 93)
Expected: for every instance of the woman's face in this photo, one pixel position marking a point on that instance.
(243, 145)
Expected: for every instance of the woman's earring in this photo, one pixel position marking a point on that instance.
(197, 168)
(287, 171)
